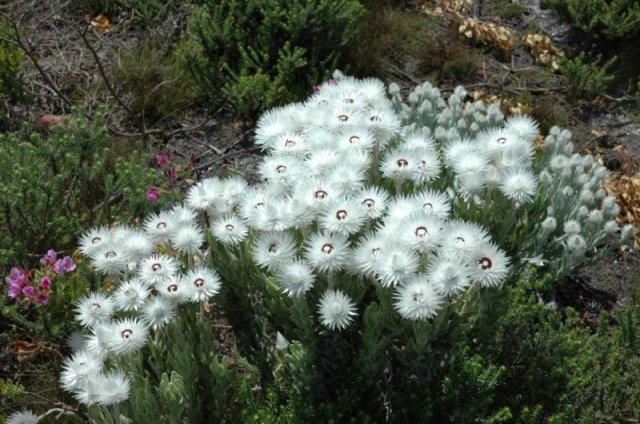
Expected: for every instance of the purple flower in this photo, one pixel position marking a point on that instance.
(45, 283)
(64, 265)
(161, 160)
(28, 291)
(15, 290)
(42, 299)
(153, 194)
(49, 258)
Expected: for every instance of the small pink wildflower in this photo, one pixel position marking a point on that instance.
(153, 194)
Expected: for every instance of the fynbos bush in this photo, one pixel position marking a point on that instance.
(381, 238)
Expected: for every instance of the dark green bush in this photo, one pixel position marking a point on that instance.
(12, 60)
(587, 79)
(56, 185)
(260, 53)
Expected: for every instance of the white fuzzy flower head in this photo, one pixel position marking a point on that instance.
(367, 255)
(524, 126)
(158, 312)
(336, 310)
(131, 295)
(137, 244)
(295, 277)
(549, 224)
(187, 238)
(397, 165)
(157, 268)
(491, 267)
(572, 226)
(110, 259)
(576, 245)
(273, 248)
(374, 201)
(205, 283)
(229, 230)
(327, 252)
(127, 336)
(425, 166)
(78, 370)
(434, 203)
(174, 290)
(22, 417)
(417, 299)
(396, 266)
(94, 308)
(98, 342)
(449, 276)
(627, 232)
(92, 240)
(343, 216)
(519, 185)
(112, 387)
(204, 195)
(421, 231)
(160, 226)
(462, 239)
(183, 215)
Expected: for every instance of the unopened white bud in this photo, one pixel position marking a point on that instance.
(572, 227)
(549, 224)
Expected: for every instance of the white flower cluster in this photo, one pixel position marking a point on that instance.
(149, 286)
(486, 153)
(340, 172)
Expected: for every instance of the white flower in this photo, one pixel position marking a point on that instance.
(462, 239)
(336, 310)
(383, 123)
(321, 162)
(157, 268)
(110, 259)
(374, 201)
(131, 295)
(572, 226)
(316, 192)
(78, 370)
(112, 387)
(519, 185)
(448, 275)
(98, 342)
(174, 289)
(295, 277)
(368, 253)
(94, 308)
(549, 224)
(417, 299)
(400, 207)
(92, 240)
(425, 166)
(397, 165)
(354, 138)
(127, 336)
(229, 230)
(348, 177)
(233, 189)
(271, 125)
(160, 226)
(158, 312)
(183, 215)
(421, 231)
(281, 170)
(205, 283)
(23, 417)
(396, 266)
(187, 238)
(273, 216)
(327, 252)
(343, 216)
(137, 244)
(491, 267)
(273, 248)
(576, 244)
(628, 232)
(204, 194)
(524, 126)
(434, 203)
(290, 144)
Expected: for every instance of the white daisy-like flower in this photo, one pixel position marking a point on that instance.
(271, 125)
(448, 275)
(471, 163)
(23, 417)
(343, 216)
(348, 177)
(336, 310)
(523, 125)
(157, 268)
(519, 185)
(98, 342)
(127, 336)
(433, 203)
(112, 387)
(352, 138)
(372, 89)
(187, 238)
(295, 277)
(400, 207)
(417, 299)
(229, 230)
(576, 245)
(273, 248)
(418, 140)
(281, 170)
(374, 201)
(344, 116)
(204, 195)
(425, 166)
(571, 226)
(91, 241)
(94, 308)
(397, 165)
(77, 341)
(396, 266)
(205, 283)
(158, 312)
(131, 295)
(383, 123)
(491, 267)
(462, 239)
(327, 252)
(233, 190)
(160, 226)
(457, 149)
(321, 162)
(367, 254)
(273, 216)
(316, 192)
(497, 141)
(79, 369)
(174, 290)
(290, 144)
(183, 214)
(137, 244)
(421, 231)
(110, 259)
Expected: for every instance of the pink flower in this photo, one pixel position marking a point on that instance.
(42, 299)
(161, 160)
(153, 194)
(45, 283)
(28, 291)
(49, 258)
(64, 265)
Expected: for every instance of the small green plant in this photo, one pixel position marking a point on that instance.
(12, 60)
(258, 54)
(588, 78)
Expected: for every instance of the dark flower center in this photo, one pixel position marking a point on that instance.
(341, 214)
(354, 139)
(273, 248)
(501, 140)
(199, 282)
(375, 118)
(402, 163)
(343, 118)
(421, 231)
(96, 239)
(110, 254)
(172, 288)
(259, 205)
(156, 267)
(229, 227)
(427, 205)
(369, 202)
(126, 334)
(320, 194)
(289, 142)
(485, 263)
(348, 100)
(280, 169)
(327, 248)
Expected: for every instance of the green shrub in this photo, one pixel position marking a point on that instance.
(601, 19)
(587, 79)
(12, 61)
(56, 184)
(259, 54)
